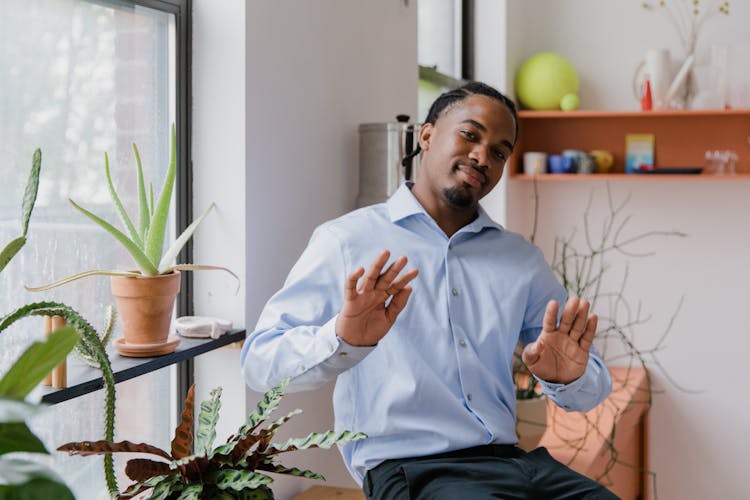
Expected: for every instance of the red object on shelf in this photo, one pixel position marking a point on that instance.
(646, 101)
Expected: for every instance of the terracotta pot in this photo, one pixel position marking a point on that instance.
(145, 306)
(531, 421)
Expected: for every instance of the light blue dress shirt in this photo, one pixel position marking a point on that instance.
(441, 379)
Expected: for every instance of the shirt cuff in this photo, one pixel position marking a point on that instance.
(342, 355)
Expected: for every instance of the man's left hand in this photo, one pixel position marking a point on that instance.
(561, 353)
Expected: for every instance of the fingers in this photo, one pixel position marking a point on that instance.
(398, 302)
(402, 281)
(581, 320)
(385, 280)
(569, 314)
(371, 278)
(532, 352)
(350, 287)
(588, 335)
(550, 317)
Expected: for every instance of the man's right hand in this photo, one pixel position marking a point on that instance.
(366, 315)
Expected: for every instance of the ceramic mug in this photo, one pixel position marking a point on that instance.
(603, 160)
(559, 164)
(534, 162)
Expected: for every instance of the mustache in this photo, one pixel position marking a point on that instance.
(476, 168)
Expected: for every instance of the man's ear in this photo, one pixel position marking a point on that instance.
(425, 134)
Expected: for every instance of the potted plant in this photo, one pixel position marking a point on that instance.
(236, 469)
(91, 345)
(145, 297)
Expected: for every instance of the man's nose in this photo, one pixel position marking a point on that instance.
(478, 155)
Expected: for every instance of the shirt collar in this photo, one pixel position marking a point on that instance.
(403, 204)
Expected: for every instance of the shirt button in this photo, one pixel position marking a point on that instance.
(468, 396)
(343, 354)
(301, 368)
(561, 389)
(454, 292)
(462, 343)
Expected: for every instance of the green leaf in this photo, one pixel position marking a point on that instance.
(36, 362)
(164, 488)
(192, 492)
(36, 489)
(16, 436)
(144, 263)
(10, 251)
(171, 254)
(120, 209)
(137, 488)
(32, 187)
(85, 274)
(23, 479)
(206, 432)
(155, 239)
(143, 210)
(315, 440)
(293, 471)
(238, 480)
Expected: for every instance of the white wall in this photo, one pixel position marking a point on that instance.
(219, 177)
(698, 441)
(314, 71)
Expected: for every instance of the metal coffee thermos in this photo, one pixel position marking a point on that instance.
(382, 147)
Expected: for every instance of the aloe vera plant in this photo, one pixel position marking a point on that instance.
(233, 470)
(145, 243)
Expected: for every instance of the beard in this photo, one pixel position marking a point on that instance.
(458, 197)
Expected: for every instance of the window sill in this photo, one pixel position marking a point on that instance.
(83, 379)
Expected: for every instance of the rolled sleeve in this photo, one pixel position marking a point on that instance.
(584, 393)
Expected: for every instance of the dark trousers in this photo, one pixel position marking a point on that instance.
(482, 472)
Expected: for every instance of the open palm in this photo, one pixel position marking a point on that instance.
(561, 352)
(373, 300)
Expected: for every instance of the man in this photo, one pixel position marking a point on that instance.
(423, 357)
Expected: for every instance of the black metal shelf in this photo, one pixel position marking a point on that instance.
(83, 379)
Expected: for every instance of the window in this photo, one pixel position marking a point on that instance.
(444, 48)
(78, 78)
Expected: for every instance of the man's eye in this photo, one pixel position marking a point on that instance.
(499, 155)
(468, 134)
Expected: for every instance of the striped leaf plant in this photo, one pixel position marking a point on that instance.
(237, 469)
(144, 242)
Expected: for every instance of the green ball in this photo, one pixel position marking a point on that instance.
(543, 80)
(569, 102)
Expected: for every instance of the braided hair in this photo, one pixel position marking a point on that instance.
(448, 99)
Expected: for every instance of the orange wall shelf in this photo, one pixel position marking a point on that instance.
(681, 138)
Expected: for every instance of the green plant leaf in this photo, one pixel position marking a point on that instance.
(315, 440)
(165, 487)
(292, 471)
(144, 263)
(16, 436)
(192, 492)
(207, 418)
(10, 251)
(171, 254)
(202, 267)
(36, 362)
(32, 187)
(136, 238)
(85, 274)
(144, 214)
(238, 480)
(155, 239)
(26, 480)
(137, 488)
(36, 489)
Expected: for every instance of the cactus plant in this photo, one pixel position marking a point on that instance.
(91, 345)
(233, 470)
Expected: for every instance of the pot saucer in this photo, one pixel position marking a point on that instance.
(146, 350)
